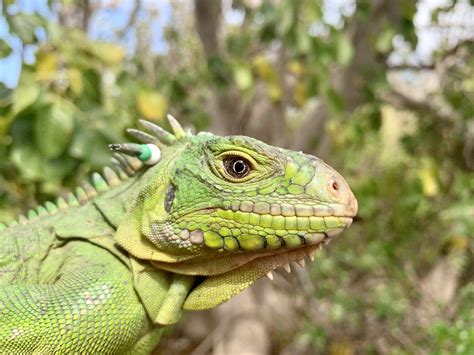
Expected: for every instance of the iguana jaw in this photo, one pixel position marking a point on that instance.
(227, 275)
(214, 290)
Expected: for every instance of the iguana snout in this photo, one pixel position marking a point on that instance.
(340, 191)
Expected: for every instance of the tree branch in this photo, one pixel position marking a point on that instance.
(132, 19)
(86, 13)
(414, 67)
(207, 15)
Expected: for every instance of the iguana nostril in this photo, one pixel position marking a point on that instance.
(336, 187)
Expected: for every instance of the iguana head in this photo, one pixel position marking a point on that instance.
(232, 209)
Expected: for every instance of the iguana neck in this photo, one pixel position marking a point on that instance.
(114, 203)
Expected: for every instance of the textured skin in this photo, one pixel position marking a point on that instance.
(65, 296)
(104, 275)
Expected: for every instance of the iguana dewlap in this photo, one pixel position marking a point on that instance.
(104, 269)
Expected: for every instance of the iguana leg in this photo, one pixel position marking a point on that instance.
(90, 307)
(148, 342)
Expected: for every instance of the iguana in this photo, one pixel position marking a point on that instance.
(185, 223)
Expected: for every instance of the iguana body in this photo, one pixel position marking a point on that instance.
(105, 271)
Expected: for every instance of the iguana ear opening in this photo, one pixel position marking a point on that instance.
(146, 210)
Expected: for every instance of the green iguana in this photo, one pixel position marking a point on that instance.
(104, 270)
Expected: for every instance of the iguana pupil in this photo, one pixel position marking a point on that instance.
(237, 167)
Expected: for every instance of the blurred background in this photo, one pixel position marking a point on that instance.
(382, 90)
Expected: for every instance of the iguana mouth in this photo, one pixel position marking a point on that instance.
(261, 227)
(278, 209)
(222, 262)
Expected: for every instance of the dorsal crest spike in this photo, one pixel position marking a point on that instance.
(126, 148)
(123, 163)
(32, 214)
(72, 200)
(51, 207)
(111, 176)
(144, 137)
(61, 203)
(88, 189)
(81, 195)
(98, 182)
(133, 162)
(41, 210)
(121, 171)
(148, 154)
(163, 136)
(178, 130)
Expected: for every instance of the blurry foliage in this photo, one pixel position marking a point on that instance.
(410, 166)
(78, 96)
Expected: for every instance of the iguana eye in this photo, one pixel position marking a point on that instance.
(237, 167)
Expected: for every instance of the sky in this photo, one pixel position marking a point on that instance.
(102, 27)
(107, 20)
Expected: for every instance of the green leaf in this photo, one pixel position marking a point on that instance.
(109, 53)
(5, 49)
(243, 76)
(335, 101)
(407, 26)
(219, 70)
(344, 50)
(47, 65)
(264, 68)
(76, 81)
(6, 99)
(383, 44)
(32, 165)
(90, 145)
(303, 41)
(53, 129)
(25, 96)
(238, 44)
(24, 26)
(152, 105)
(288, 17)
(28, 161)
(313, 9)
